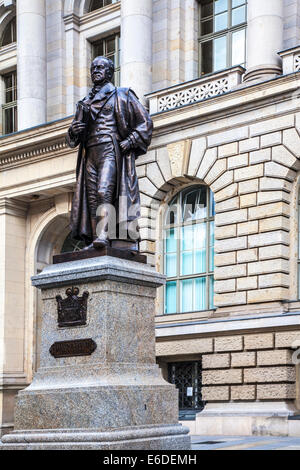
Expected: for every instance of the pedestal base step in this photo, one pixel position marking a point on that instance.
(168, 437)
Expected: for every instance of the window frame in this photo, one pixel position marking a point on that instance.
(12, 24)
(103, 5)
(104, 40)
(11, 104)
(215, 35)
(210, 218)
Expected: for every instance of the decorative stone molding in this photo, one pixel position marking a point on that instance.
(179, 154)
(290, 60)
(19, 157)
(196, 90)
(13, 207)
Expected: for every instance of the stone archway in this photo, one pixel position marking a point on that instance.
(49, 244)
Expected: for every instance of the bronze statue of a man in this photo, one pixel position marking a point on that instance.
(112, 129)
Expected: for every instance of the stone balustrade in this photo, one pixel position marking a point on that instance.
(290, 60)
(196, 90)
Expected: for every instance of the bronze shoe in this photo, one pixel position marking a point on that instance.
(88, 247)
(100, 243)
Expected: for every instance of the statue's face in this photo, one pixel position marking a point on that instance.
(99, 70)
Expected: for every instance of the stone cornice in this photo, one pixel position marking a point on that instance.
(37, 142)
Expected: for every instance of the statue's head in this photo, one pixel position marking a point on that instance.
(102, 70)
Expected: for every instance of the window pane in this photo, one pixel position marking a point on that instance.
(200, 294)
(187, 238)
(212, 208)
(8, 120)
(96, 4)
(211, 246)
(238, 47)
(207, 9)
(220, 6)
(171, 265)
(221, 22)
(238, 16)
(171, 297)
(187, 246)
(200, 248)
(9, 95)
(237, 3)
(211, 292)
(207, 27)
(8, 81)
(220, 53)
(206, 57)
(187, 295)
(187, 265)
(195, 204)
(110, 45)
(171, 242)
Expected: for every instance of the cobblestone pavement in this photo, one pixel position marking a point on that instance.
(245, 443)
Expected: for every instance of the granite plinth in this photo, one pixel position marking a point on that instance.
(115, 397)
(134, 438)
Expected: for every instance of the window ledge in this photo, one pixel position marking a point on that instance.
(9, 48)
(183, 317)
(196, 90)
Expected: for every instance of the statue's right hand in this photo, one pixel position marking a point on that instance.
(78, 127)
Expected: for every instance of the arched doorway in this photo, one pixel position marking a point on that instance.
(55, 239)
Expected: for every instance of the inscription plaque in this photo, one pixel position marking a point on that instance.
(72, 311)
(76, 347)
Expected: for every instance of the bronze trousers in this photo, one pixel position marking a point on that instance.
(101, 175)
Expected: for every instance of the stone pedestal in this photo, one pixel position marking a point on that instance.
(114, 396)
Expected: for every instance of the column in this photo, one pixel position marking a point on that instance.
(136, 46)
(32, 67)
(264, 39)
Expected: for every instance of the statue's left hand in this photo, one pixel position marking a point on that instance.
(125, 145)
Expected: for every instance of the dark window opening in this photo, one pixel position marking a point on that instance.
(96, 4)
(9, 107)
(187, 378)
(71, 245)
(10, 33)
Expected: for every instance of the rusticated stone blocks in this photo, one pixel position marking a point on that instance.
(245, 367)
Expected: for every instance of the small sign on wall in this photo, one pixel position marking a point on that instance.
(189, 391)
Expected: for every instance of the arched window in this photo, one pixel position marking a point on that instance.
(10, 33)
(71, 245)
(189, 251)
(96, 4)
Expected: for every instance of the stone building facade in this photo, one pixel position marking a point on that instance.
(222, 81)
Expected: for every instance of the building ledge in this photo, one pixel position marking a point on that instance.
(194, 91)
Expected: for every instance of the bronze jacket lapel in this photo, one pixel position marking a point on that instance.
(100, 99)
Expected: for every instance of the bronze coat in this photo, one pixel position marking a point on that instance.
(133, 121)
